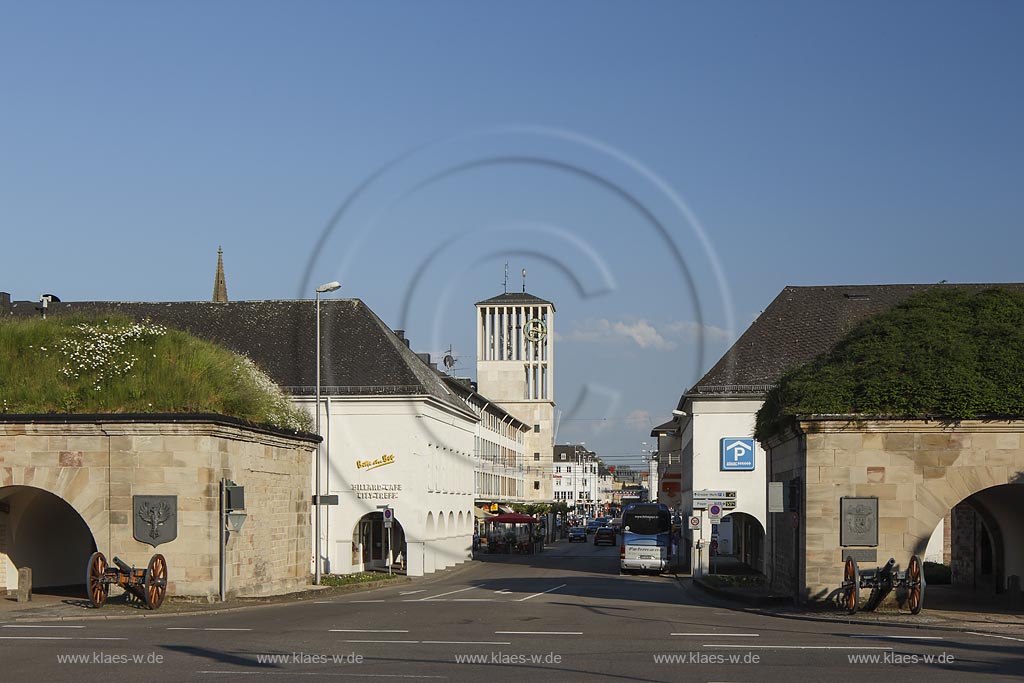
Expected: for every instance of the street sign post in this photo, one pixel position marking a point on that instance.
(695, 523)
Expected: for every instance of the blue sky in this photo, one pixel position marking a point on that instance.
(809, 143)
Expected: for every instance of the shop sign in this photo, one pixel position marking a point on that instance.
(376, 491)
(374, 464)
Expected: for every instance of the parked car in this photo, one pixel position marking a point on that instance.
(605, 534)
(577, 533)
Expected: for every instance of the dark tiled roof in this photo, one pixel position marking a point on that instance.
(361, 355)
(669, 427)
(515, 299)
(468, 393)
(798, 326)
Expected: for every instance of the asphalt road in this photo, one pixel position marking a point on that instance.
(565, 615)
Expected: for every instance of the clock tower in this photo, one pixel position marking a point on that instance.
(515, 368)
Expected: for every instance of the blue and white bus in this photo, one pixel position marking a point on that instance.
(646, 537)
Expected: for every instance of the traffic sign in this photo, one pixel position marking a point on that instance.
(389, 514)
(714, 547)
(695, 522)
(715, 512)
(707, 493)
(704, 503)
(737, 455)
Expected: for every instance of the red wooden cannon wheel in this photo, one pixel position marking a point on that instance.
(851, 586)
(155, 581)
(96, 588)
(915, 585)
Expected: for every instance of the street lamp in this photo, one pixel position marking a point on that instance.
(322, 289)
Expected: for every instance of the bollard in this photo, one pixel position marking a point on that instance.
(25, 584)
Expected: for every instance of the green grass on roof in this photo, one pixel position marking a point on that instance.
(116, 365)
(946, 353)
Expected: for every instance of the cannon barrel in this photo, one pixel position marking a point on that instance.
(122, 565)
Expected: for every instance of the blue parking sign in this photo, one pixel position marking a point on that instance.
(737, 455)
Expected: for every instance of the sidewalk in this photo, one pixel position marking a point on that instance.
(945, 608)
(50, 607)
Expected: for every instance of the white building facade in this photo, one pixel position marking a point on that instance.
(575, 479)
(498, 450)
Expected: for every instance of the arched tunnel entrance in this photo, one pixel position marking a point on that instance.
(41, 530)
(741, 536)
(375, 544)
(983, 554)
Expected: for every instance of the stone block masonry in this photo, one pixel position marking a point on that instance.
(96, 466)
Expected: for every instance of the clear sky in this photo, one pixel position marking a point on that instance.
(662, 169)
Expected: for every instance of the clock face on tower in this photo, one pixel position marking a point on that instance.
(536, 330)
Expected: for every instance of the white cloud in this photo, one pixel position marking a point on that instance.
(643, 333)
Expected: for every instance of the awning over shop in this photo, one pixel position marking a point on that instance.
(482, 514)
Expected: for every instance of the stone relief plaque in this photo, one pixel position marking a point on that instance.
(859, 521)
(155, 519)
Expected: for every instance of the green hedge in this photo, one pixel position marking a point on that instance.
(117, 365)
(946, 353)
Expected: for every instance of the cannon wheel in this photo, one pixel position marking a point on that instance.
(155, 582)
(915, 585)
(851, 586)
(97, 589)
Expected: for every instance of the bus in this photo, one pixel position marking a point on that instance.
(646, 537)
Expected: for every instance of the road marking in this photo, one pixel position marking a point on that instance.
(26, 626)
(366, 630)
(903, 637)
(801, 647)
(422, 590)
(366, 601)
(54, 638)
(538, 633)
(435, 642)
(541, 593)
(441, 595)
(471, 600)
(993, 635)
(465, 642)
(197, 628)
(720, 635)
(316, 673)
(503, 591)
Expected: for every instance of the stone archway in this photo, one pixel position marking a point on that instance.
(746, 540)
(917, 470)
(41, 530)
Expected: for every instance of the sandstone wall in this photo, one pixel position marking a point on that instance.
(98, 467)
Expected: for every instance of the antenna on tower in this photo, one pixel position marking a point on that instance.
(449, 359)
(506, 277)
(524, 280)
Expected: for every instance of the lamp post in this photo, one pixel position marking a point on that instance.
(322, 289)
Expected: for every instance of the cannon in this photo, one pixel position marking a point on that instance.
(148, 586)
(881, 581)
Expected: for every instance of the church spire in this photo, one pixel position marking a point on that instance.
(220, 285)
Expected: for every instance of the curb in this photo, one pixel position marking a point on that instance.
(272, 601)
(839, 619)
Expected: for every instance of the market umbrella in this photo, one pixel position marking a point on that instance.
(512, 518)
